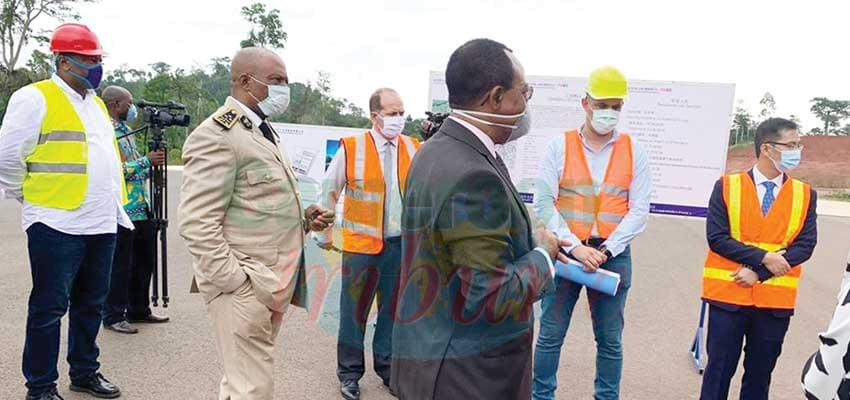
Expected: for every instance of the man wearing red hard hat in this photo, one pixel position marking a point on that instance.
(59, 158)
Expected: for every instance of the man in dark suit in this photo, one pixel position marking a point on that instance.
(762, 225)
(470, 270)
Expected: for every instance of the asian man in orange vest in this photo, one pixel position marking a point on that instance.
(761, 227)
(372, 168)
(595, 192)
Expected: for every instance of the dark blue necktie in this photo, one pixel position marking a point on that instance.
(768, 199)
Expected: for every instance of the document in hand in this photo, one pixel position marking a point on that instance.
(602, 280)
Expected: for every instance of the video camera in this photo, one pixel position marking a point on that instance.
(432, 123)
(164, 115)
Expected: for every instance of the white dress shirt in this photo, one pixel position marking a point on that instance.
(335, 181)
(640, 192)
(487, 141)
(101, 211)
(759, 179)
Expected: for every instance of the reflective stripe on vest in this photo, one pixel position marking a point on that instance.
(578, 202)
(57, 174)
(363, 208)
(772, 232)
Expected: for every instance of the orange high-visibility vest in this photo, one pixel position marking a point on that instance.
(578, 202)
(772, 232)
(363, 209)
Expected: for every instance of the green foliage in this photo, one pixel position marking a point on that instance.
(413, 127)
(203, 90)
(831, 112)
(266, 28)
(743, 127)
(16, 32)
(16, 24)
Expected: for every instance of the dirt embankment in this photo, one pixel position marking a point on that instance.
(825, 165)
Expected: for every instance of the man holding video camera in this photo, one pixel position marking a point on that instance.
(135, 256)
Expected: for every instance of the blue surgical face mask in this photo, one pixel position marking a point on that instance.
(94, 73)
(789, 160)
(132, 113)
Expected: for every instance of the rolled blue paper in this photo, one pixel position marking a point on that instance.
(602, 280)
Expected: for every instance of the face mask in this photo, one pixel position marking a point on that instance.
(392, 126)
(523, 123)
(789, 160)
(131, 114)
(276, 102)
(604, 121)
(94, 73)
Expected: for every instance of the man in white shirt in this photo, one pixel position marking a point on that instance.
(58, 157)
(372, 168)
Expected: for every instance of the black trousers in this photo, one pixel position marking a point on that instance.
(132, 267)
(764, 333)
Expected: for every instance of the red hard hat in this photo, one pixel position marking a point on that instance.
(75, 38)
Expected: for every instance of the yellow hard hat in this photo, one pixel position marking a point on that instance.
(607, 83)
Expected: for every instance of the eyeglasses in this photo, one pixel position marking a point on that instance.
(789, 145)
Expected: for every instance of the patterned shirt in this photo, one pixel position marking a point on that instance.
(136, 172)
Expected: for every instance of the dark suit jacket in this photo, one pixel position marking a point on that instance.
(469, 277)
(721, 242)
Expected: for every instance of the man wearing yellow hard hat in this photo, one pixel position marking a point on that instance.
(595, 193)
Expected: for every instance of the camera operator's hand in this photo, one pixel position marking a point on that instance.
(157, 158)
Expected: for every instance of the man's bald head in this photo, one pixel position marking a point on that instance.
(251, 71)
(118, 101)
(115, 93)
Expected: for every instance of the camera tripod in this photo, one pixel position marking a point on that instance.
(159, 210)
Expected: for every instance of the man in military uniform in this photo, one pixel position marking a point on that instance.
(242, 220)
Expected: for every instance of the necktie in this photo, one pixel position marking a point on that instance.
(267, 132)
(392, 198)
(768, 198)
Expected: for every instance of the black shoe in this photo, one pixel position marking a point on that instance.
(350, 390)
(122, 327)
(148, 319)
(97, 386)
(51, 395)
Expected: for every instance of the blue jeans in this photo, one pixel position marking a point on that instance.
(365, 277)
(66, 270)
(607, 315)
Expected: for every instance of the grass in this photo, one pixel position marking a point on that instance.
(839, 195)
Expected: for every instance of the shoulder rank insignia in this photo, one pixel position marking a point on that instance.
(226, 119)
(246, 122)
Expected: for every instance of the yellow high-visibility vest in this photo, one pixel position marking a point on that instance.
(57, 175)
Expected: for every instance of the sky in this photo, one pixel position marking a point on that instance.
(795, 50)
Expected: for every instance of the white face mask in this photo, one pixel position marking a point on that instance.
(523, 123)
(392, 126)
(276, 102)
(604, 121)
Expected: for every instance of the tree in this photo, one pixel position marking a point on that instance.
(16, 24)
(742, 123)
(831, 112)
(266, 28)
(768, 105)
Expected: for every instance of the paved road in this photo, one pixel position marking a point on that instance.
(178, 360)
